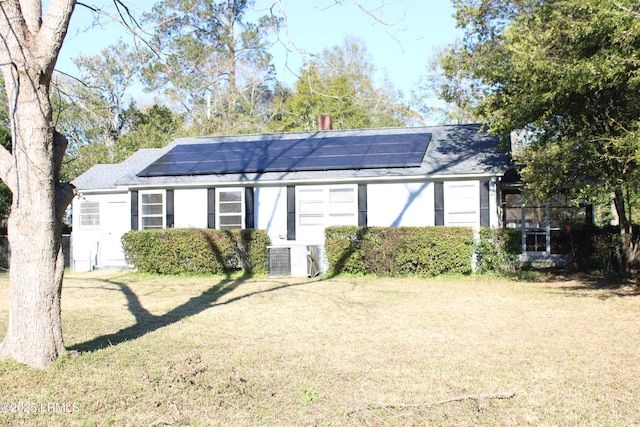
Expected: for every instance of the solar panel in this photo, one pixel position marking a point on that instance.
(219, 166)
(194, 148)
(394, 148)
(330, 163)
(380, 160)
(333, 152)
(344, 150)
(352, 140)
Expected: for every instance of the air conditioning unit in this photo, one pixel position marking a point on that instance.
(315, 264)
(296, 260)
(279, 261)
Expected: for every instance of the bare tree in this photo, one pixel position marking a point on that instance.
(97, 100)
(29, 48)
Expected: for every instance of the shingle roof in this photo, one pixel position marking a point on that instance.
(106, 176)
(452, 150)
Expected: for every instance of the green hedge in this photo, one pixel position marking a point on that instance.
(387, 251)
(498, 250)
(196, 251)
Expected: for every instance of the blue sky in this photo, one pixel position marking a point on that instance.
(400, 48)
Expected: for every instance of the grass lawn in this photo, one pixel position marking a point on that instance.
(343, 351)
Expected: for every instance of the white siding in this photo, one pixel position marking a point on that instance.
(388, 205)
(402, 204)
(462, 203)
(190, 208)
(271, 212)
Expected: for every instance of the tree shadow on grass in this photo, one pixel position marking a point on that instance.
(147, 322)
(264, 291)
(602, 287)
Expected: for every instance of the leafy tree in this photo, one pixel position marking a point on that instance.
(213, 63)
(153, 127)
(340, 82)
(94, 112)
(567, 72)
(436, 84)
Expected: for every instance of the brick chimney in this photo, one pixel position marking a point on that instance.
(324, 122)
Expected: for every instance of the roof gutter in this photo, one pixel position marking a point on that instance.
(314, 181)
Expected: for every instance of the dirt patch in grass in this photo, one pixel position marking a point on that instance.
(344, 351)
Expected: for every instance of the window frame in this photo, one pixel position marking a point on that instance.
(82, 215)
(220, 214)
(455, 210)
(141, 214)
(325, 214)
(541, 222)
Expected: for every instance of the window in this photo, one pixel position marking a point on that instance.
(342, 206)
(230, 209)
(320, 207)
(544, 224)
(462, 204)
(310, 212)
(536, 227)
(513, 210)
(531, 219)
(89, 214)
(152, 210)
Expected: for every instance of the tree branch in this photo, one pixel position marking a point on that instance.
(59, 147)
(53, 31)
(32, 13)
(374, 14)
(17, 32)
(65, 192)
(627, 9)
(125, 18)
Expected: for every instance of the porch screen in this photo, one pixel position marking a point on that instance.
(544, 224)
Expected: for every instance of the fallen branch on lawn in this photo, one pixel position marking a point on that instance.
(481, 401)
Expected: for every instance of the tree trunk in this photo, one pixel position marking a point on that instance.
(32, 170)
(629, 248)
(34, 334)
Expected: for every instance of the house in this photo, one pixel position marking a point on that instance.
(293, 185)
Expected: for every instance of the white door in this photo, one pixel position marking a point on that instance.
(115, 222)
